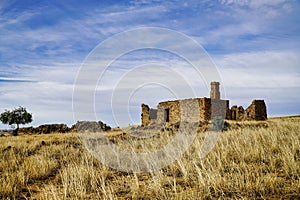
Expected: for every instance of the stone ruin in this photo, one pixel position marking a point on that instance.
(80, 126)
(256, 111)
(90, 126)
(202, 109)
(45, 129)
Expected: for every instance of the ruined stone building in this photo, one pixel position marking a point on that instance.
(202, 110)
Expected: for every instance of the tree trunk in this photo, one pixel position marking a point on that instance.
(15, 132)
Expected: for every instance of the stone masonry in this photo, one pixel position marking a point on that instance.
(257, 110)
(202, 110)
(145, 115)
(215, 90)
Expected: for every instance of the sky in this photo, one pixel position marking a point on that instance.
(44, 44)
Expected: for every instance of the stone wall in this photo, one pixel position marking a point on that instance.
(145, 116)
(213, 108)
(219, 108)
(256, 111)
(80, 126)
(228, 111)
(168, 111)
(90, 126)
(191, 110)
(237, 113)
(205, 109)
(45, 129)
(153, 114)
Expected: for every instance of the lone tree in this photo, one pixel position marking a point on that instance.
(16, 116)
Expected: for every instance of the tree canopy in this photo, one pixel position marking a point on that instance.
(16, 116)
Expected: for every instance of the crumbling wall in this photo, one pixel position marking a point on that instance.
(184, 110)
(190, 110)
(212, 108)
(233, 111)
(202, 109)
(90, 126)
(237, 113)
(228, 112)
(145, 116)
(256, 111)
(170, 108)
(45, 129)
(205, 109)
(153, 114)
(219, 108)
(240, 113)
(80, 126)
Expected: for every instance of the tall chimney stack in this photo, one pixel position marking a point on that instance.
(214, 90)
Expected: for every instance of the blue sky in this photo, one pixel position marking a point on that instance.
(255, 45)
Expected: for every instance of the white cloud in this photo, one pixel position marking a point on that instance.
(47, 92)
(270, 75)
(254, 3)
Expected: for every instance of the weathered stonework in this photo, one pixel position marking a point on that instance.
(219, 108)
(215, 90)
(205, 111)
(145, 115)
(237, 113)
(202, 110)
(168, 112)
(190, 110)
(257, 110)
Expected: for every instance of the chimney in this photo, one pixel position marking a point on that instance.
(215, 90)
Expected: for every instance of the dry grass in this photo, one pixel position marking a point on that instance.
(250, 160)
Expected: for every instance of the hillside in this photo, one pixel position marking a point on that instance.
(250, 160)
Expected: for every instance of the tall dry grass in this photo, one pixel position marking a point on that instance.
(250, 160)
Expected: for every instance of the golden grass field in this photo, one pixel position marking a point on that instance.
(251, 160)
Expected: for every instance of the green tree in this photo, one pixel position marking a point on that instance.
(17, 116)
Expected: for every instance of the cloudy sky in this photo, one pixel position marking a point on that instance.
(43, 44)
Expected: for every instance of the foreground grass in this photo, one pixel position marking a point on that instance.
(251, 160)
